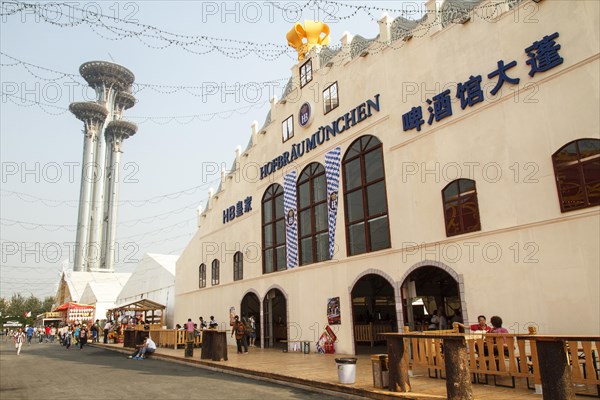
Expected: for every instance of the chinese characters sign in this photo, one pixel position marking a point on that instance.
(237, 210)
(543, 56)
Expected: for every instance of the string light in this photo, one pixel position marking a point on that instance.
(159, 120)
(53, 248)
(135, 203)
(231, 48)
(127, 223)
(265, 51)
(137, 87)
(54, 228)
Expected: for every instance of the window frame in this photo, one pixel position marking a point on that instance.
(277, 193)
(577, 164)
(238, 266)
(459, 197)
(202, 276)
(286, 124)
(311, 207)
(305, 70)
(215, 272)
(327, 102)
(363, 187)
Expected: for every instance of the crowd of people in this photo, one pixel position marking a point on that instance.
(244, 330)
(68, 334)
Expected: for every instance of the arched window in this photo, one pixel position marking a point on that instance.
(365, 198)
(577, 172)
(238, 266)
(202, 275)
(312, 215)
(461, 209)
(215, 272)
(273, 230)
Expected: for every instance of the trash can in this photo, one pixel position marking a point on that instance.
(380, 370)
(189, 349)
(346, 369)
(306, 347)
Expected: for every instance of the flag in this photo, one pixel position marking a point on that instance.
(332, 172)
(291, 219)
(27, 314)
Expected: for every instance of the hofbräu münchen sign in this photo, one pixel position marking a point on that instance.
(336, 127)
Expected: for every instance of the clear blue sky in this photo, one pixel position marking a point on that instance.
(41, 147)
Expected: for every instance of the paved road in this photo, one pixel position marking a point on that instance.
(44, 371)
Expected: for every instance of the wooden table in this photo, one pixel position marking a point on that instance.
(458, 377)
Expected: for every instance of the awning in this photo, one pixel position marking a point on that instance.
(72, 305)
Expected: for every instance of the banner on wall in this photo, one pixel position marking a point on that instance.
(333, 311)
(291, 219)
(326, 343)
(332, 173)
(231, 315)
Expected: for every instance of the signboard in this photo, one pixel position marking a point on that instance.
(333, 311)
(323, 134)
(305, 115)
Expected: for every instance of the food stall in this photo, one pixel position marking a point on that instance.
(134, 321)
(75, 313)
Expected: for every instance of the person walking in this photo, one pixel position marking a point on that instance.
(95, 328)
(189, 327)
(52, 333)
(252, 331)
(239, 329)
(19, 340)
(107, 327)
(29, 334)
(68, 337)
(83, 336)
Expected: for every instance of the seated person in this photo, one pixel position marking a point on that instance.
(497, 328)
(480, 326)
(144, 350)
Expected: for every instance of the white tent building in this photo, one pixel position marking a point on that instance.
(72, 284)
(152, 279)
(102, 295)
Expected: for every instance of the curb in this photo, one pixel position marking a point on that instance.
(315, 386)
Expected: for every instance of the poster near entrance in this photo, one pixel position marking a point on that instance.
(333, 311)
(231, 316)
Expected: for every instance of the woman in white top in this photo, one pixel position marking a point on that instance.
(19, 340)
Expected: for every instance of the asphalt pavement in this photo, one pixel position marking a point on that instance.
(50, 371)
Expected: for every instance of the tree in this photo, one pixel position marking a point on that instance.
(3, 306)
(47, 304)
(33, 305)
(16, 307)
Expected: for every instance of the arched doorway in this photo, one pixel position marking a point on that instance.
(275, 318)
(250, 307)
(426, 289)
(373, 309)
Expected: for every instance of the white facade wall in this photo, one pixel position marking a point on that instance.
(549, 262)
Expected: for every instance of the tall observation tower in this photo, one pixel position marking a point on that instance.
(97, 219)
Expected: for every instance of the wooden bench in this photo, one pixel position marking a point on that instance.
(303, 346)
